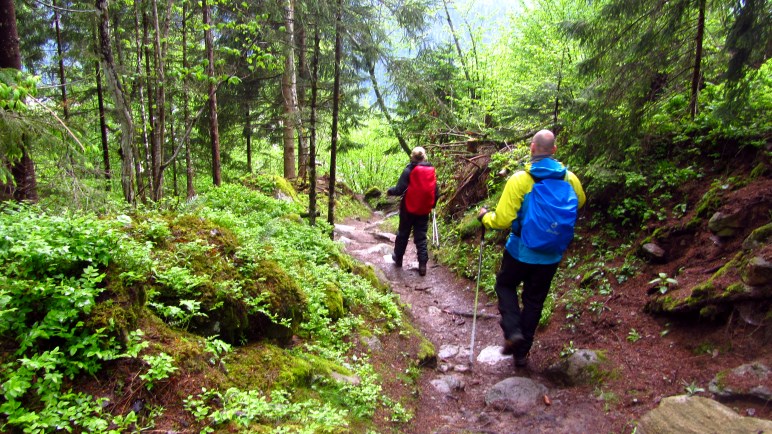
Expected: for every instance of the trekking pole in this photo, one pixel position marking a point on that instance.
(435, 234)
(476, 294)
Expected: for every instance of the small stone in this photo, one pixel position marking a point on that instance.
(653, 252)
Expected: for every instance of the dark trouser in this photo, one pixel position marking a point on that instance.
(419, 224)
(536, 280)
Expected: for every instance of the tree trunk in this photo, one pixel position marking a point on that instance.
(214, 132)
(385, 110)
(335, 115)
(121, 104)
(160, 104)
(697, 59)
(23, 171)
(60, 53)
(303, 78)
(248, 135)
(185, 104)
(289, 92)
(312, 131)
(458, 49)
(103, 126)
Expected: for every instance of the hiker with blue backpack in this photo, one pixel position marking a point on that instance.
(539, 205)
(418, 186)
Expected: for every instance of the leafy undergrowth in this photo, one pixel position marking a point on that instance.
(229, 313)
(668, 325)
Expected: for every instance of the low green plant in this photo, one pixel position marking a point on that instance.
(247, 408)
(692, 388)
(633, 336)
(217, 348)
(663, 283)
(160, 367)
(568, 350)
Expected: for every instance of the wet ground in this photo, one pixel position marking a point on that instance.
(452, 395)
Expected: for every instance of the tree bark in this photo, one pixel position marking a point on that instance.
(385, 110)
(335, 115)
(190, 191)
(303, 78)
(289, 92)
(248, 135)
(23, 170)
(103, 126)
(121, 104)
(214, 132)
(697, 59)
(60, 53)
(458, 49)
(312, 131)
(159, 128)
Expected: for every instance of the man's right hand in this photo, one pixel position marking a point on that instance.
(482, 212)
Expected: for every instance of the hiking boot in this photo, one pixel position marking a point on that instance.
(422, 269)
(397, 262)
(511, 343)
(521, 361)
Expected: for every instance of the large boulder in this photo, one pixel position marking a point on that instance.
(515, 394)
(726, 224)
(581, 367)
(751, 380)
(697, 415)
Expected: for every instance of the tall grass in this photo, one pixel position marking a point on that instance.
(374, 161)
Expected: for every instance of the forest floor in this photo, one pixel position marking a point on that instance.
(669, 356)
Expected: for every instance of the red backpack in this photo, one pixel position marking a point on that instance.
(419, 197)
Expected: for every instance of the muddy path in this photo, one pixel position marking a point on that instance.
(452, 394)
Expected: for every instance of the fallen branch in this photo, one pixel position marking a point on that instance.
(470, 314)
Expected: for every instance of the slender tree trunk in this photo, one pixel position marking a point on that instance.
(696, 74)
(103, 126)
(23, 170)
(248, 135)
(160, 103)
(335, 115)
(190, 191)
(385, 110)
(289, 92)
(121, 104)
(214, 132)
(312, 131)
(60, 53)
(174, 164)
(556, 111)
(150, 148)
(458, 49)
(303, 78)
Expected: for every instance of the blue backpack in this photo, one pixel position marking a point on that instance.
(550, 215)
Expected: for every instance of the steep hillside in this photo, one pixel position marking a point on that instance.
(669, 278)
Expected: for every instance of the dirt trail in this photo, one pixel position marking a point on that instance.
(441, 305)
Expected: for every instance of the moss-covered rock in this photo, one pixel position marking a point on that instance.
(333, 301)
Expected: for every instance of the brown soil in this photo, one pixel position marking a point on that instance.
(671, 354)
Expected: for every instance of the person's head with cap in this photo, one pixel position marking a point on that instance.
(418, 155)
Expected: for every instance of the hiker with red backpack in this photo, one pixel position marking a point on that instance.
(418, 186)
(539, 205)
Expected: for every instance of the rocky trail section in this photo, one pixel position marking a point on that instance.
(486, 394)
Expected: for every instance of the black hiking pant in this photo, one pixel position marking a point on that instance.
(536, 280)
(419, 225)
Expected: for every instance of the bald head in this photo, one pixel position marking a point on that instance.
(543, 143)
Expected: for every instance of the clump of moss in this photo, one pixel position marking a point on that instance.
(189, 227)
(333, 301)
(278, 368)
(710, 201)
